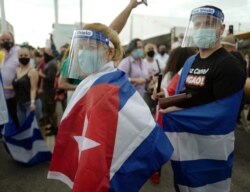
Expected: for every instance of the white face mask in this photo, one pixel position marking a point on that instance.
(205, 38)
(90, 61)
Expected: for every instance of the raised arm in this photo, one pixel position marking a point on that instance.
(119, 22)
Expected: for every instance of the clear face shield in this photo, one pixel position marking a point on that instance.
(88, 53)
(204, 28)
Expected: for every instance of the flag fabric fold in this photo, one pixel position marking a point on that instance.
(107, 139)
(26, 144)
(3, 106)
(203, 141)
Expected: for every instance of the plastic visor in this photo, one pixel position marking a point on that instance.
(203, 20)
(87, 53)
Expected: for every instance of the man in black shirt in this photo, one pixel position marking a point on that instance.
(201, 129)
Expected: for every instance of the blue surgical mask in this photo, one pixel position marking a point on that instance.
(204, 38)
(137, 53)
(89, 61)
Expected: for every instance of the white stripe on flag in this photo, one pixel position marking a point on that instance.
(188, 146)
(81, 90)
(28, 133)
(222, 186)
(23, 155)
(59, 176)
(131, 130)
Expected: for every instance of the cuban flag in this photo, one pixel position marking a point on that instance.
(4, 111)
(26, 144)
(108, 139)
(203, 141)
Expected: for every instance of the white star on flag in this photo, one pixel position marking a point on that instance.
(85, 143)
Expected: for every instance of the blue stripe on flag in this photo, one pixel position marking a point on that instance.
(120, 79)
(25, 143)
(216, 118)
(202, 172)
(20, 143)
(131, 172)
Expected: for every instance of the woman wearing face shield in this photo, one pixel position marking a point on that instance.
(105, 121)
(201, 128)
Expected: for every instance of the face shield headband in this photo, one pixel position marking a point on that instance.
(88, 53)
(93, 35)
(208, 11)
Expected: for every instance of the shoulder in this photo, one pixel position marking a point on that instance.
(32, 72)
(124, 64)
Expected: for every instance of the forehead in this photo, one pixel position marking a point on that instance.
(205, 21)
(150, 47)
(5, 36)
(138, 44)
(23, 51)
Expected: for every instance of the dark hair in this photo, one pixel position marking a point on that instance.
(131, 46)
(37, 54)
(177, 58)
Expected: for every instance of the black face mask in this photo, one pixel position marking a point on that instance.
(24, 60)
(47, 57)
(162, 52)
(7, 45)
(151, 53)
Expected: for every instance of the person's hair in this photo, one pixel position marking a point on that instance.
(131, 46)
(111, 34)
(177, 58)
(37, 53)
(10, 34)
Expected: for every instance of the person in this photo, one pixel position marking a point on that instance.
(230, 44)
(178, 41)
(176, 60)
(154, 70)
(48, 95)
(1, 56)
(247, 59)
(8, 70)
(93, 110)
(162, 55)
(67, 84)
(134, 65)
(201, 129)
(3, 108)
(25, 86)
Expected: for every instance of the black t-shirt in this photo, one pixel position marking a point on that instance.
(213, 78)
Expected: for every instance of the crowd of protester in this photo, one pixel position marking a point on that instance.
(36, 79)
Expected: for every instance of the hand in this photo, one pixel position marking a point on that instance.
(32, 106)
(155, 95)
(139, 80)
(170, 109)
(134, 3)
(158, 95)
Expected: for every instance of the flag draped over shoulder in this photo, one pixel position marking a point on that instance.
(3, 106)
(108, 139)
(26, 144)
(203, 141)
